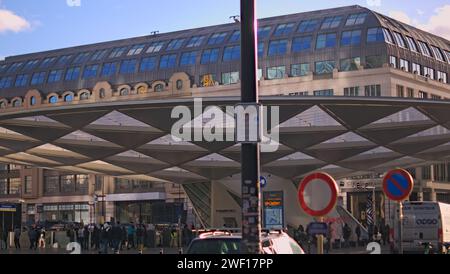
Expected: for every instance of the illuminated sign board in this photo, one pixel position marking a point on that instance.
(273, 210)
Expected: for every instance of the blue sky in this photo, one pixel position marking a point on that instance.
(30, 26)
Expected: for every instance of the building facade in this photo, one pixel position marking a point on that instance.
(343, 52)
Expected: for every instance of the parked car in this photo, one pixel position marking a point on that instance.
(226, 242)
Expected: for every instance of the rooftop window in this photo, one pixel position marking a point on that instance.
(128, 66)
(236, 36)
(117, 52)
(55, 76)
(90, 71)
(263, 32)
(135, 50)
(424, 49)
(438, 54)
(188, 58)
(5, 82)
(217, 38)
(356, 19)
(99, 55)
(109, 69)
(210, 56)
(175, 44)
(155, 47)
(14, 67)
(195, 41)
(308, 25)
(72, 74)
(278, 47)
(411, 44)
(326, 41)
(168, 61)
(331, 22)
(148, 64)
(38, 78)
(351, 38)
(284, 29)
(63, 60)
(232, 53)
(21, 80)
(30, 65)
(379, 35)
(47, 62)
(81, 58)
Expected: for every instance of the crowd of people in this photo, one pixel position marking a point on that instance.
(114, 237)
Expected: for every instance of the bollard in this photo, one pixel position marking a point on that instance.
(161, 251)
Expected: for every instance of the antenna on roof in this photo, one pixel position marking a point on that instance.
(235, 18)
(154, 32)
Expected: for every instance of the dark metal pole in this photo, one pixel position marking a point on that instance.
(250, 156)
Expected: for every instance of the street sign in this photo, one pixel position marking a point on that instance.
(8, 208)
(317, 229)
(263, 181)
(318, 194)
(398, 185)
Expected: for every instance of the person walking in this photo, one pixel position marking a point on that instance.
(358, 235)
(86, 234)
(17, 233)
(80, 236)
(32, 235)
(140, 231)
(104, 239)
(3, 238)
(347, 232)
(41, 241)
(131, 233)
(117, 237)
(329, 236)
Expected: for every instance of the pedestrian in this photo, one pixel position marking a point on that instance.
(86, 237)
(329, 237)
(41, 241)
(347, 232)
(80, 236)
(70, 234)
(358, 234)
(3, 238)
(117, 237)
(33, 237)
(131, 232)
(17, 233)
(104, 238)
(173, 238)
(140, 231)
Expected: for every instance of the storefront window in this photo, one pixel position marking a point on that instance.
(3, 187)
(51, 184)
(82, 185)
(14, 186)
(68, 184)
(28, 185)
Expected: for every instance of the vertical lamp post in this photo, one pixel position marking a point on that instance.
(250, 156)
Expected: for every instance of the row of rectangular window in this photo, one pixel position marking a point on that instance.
(418, 69)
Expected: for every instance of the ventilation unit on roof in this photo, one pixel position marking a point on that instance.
(235, 18)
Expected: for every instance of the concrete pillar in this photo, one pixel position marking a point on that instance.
(433, 196)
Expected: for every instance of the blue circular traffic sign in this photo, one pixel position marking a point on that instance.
(398, 185)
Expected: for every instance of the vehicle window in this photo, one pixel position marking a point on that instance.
(296, 249)
(215, 246)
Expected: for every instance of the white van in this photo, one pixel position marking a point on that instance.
(425, 222)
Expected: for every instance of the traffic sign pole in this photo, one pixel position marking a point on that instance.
(320, 240)
(400, 227)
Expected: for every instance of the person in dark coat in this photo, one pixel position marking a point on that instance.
(116, 237)
(33, 237)
(3, 238)
(358, 235)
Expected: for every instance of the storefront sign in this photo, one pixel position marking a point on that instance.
(273, 208)
(8, 208)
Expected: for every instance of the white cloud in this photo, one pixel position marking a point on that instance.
(420, 12)
(439, 22)
(12, 22)
(374, 3)
(400, 16)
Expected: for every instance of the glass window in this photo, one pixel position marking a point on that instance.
(410, 93)
(168, 61)
(84, 96)
(14, 67)
(387, 36)
(148, 64)
(424, 49)
(30, 65)
(284, 29)
(99, 55)
(109, 69)
(68, 98)
(55, 76)
(51, 184)
(399, 40)
(428, 72)
(263, 32)
(276, 72)
(350, 64)
(81, 58)
(393, 61)
(326, 41)
(375, 35)
(15, 186)
(411, 44)
(300, 69)
(278, 47)
(404, 65)
(156, 47)
(159, 88)
(2, 104)
(232, 53)
(21, 80)
(188, 58)
(3, 67)
(90, 71)
(195, 41)
(423, 95)
(217, 38)
(373, 91)
(437, 53)
(47, 62)
(416, 68)
(38, 78)
(400, 91)
(331, 22)
(33, 100)
(325, 67)
(128, 66)
(230, 78)
(175, 44)
(308, 25)
(442, 76)
(3, 186)
(260, 49)
(117, 52)
(5, 82)
(17, 103)
(325, 92)
(72, 74)
(208, 80)
(136, 49)
(356, 19)
(301, 44)
(82, 183)
(179, 84)
(63, 60)
(447, 53)
(351, 38)
(374, 61)
(236, 36)
(210, 56)
(351, 91)
(53, 100)
(68, 184)
(28, 185)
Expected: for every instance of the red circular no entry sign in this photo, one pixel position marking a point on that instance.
(318, 194)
